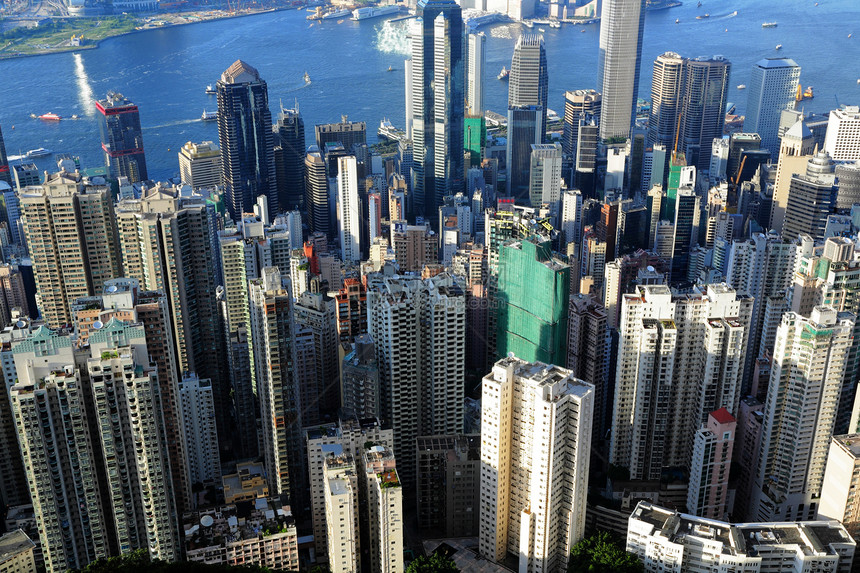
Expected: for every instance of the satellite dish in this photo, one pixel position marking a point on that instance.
(206, 521)
(20, 324)
(650, 269)
(111, 288)
(97, 325)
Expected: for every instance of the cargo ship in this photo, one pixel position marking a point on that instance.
(369, 12)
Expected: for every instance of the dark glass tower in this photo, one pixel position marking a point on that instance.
(247, 141)
(438, 104)
(347, 133)
(122, 140)
(528, 79)
(523, 132)
(4, 162)
(706, 88)
(291, 140)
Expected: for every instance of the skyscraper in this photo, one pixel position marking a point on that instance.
(475, 72)
(247, 142)
(523, 131)
(348, 209)
(438, 104)
(291, 140)
(773, 87)
(710, 466)
(200, 165)
(622, 23)
(347, 133)
(810, 198)
(384, 495)
(4, 162)
(545, 176)
(528, 81)
(535, 444)
(575, 104)
(795, 149)
(316, 191)
(842, 141)
(122, 139)
(667, 83)
(703, 110)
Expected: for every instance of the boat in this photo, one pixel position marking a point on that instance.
(858, 80)
(74, 116)
(528, 23)
(804, 94)
(735, 13)
(703, 16)
(769, 25)
(40, 152)
(742, 86)
(388, 131)
(209, 115)
(677, 21)
(335, 14)
(374, 12)
(390, 69)
(699, 5)
(307, 78)
(50, 116)
(778, 46)
(503, 75)
(582, 31)
(541, 30)
(555, 24)
(210, 90)
(849, 36)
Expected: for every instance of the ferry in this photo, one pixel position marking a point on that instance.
(40, 152)
(703, 16)
(374, 12)
(769, 25)
(210, 90)
(307, 78)
(209, 115)
(778, 46)
(388, 131)
(742, 86)
(50, 116)
(503, 75)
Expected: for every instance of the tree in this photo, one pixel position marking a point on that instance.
(436, 563)
(601, 553)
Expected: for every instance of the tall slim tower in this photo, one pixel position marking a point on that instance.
(474, 75)
(5, 175)
(622, 23)
(667, 84)
(438, 104)
(316, 191)
(122, 138)
(703, 111)
(528, 79)
(535, 443)
(348, 209)
(247, 142)
(773, 88)
(291, 139)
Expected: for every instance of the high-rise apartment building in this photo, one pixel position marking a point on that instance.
(12, 292)
(341, 513)
(315, 316)
(800, 413)
(772, 88)
(545, 175)
(384, 510)
(528, 83)
(198, 420)
(438, 104)
(122, 138)
(200, 165)
(449, 484)
(414, 246)
(419, 327)
(535, 442)
(71, 235)
(622, 25)
(587, 351)
(359, 379)
(838, 498)
(475, 61)
(247, 142)
(351, 310)
(348, 209)
(710, 466)
(533, 328)
(653, 427)
(290, 142)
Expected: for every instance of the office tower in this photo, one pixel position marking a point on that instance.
(168, 244)
(622, 23)
(709, 468)
(653, 427)
(316, 191)
(198, 420)
(277, 385)
(795, 149)
(842, 141)
(408, 318)
(772, 88)
(125, 386)
(200, 165)
(476, 59)
(738, 143)
(535, 441)
(384, 510)
(347, 133)
(523, 132)
(359, 379)
(348, 209)
(719, 159)
(545, 175)
(848, 194)
(667, 95)
(585, 162)
(122, 298)
(341, 513)
(24, 175)
(686, 219)
(838, 501)
(122, 138)
(438, 102)
(805, 380)
(247, 142)
(346, 437)
(654, 201)
(71, 236)
(703, 110)
(654, 166)
(48, 401)
(4, 162)
(449, 484)
(587, 355)
(762, 267)
(414, 246)
(533, 328)
(12, 292)
(528, 84)
(666, 539)
(575, 104)
(290, 138)
(810, 198)
(315, 317)
(571, 216)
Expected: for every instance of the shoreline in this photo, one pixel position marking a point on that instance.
(96, 43)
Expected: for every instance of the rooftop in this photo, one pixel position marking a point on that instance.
(13, 544)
